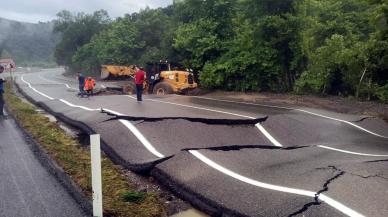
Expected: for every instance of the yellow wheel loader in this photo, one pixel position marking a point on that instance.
(161, 77)
(113, 72)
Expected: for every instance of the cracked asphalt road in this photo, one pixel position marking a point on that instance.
(236, 159)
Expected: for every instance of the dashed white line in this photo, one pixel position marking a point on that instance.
(339, 206)
(346, 122)
(141, 138)
(300, 110)
(258, 125)
(269, 136)
(138, 134)
(54, 82)
(202, 108)
(335, 204)
(244, 103)
(126, 123)
(351, 152)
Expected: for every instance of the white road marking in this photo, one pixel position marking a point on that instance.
(37, 91)
(339, 206)
(147, 144)
(269, 136)
(138, 134)
(126, 123)
(113, 112)
(54, 82)
(141, 138)
(78, 106)
(296, 109)
(333, 203)
(244, 103)
(351, 152)
(202, 108)
(343, 121)
(258, 125)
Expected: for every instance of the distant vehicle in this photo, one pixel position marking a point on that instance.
(162, 77)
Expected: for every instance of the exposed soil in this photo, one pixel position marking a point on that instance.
(331, 103)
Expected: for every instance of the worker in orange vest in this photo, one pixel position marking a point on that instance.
(89, 86)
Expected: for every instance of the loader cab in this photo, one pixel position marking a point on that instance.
(153, 70)
(165, 77)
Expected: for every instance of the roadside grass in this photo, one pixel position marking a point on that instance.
(119, 197)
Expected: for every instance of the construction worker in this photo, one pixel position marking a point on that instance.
(89, 86)
(81, 84)
(139, 80)
(1, 92)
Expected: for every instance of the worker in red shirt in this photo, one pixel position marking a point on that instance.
(139, 80)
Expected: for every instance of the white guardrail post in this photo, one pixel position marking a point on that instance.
(96, 174)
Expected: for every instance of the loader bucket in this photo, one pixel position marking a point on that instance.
(104, 74)
(117, 72)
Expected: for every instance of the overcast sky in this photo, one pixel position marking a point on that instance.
(34, 11)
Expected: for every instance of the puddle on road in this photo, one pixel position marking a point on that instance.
(190, 213)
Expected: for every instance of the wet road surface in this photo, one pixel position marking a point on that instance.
(236, 159)
(26, 188)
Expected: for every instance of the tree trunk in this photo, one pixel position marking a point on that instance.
(359, 83)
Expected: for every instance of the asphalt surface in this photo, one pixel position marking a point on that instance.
(26, 188)
(231, 158)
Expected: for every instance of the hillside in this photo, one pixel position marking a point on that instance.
(27, 43)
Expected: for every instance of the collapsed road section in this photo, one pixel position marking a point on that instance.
(227, 166)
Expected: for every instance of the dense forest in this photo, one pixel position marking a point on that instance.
(28, 44)
(336, 47)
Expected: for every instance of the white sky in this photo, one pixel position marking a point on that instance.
(34, 11)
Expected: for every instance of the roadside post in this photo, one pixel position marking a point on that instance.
(96, 174)
(10, 72)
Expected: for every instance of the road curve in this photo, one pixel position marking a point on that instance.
(287, 162)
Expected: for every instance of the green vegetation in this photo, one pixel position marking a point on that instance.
(134, 197)
(75, 160)
(28, 44)
(336, 47)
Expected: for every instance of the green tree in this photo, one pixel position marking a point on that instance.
(76, 31)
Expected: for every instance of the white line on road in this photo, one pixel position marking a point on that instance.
(201, 108)
(244, 103)
(37, 91)
(343, 121)
(258, 125)
(333, 203)
(78, 106)
(141, 138)
(54, 82)
(220, 168)
(126, 123)
(301, 110)
(269, 136)
(351, 152)
(138, 134)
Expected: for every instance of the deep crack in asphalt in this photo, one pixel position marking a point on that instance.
(364, 118)
(325, 188)
(200, 120)
(240, 147)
